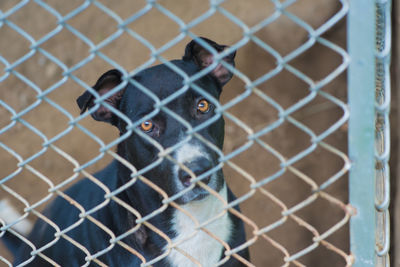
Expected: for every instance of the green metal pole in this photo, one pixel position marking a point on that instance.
(361, 92)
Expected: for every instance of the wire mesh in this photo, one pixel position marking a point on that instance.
(286, 164)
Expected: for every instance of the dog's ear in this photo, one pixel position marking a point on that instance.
(104, 84)
(203, 58)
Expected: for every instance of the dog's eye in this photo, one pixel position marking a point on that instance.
(203, 106)
(146, 126)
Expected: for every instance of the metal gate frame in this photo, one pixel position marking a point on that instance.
(369, 46)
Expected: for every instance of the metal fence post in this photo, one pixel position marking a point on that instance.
(361, 92)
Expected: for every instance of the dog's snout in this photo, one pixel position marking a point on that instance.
(198, 167)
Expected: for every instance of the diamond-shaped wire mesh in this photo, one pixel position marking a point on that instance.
(286, 112)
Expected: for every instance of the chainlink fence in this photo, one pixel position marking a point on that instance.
(306, 140)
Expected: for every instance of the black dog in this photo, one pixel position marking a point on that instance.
(140, 150)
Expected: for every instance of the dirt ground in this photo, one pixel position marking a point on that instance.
(290, 188)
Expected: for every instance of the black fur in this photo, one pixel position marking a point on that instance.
(135, 104)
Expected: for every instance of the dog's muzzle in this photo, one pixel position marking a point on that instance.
(199, 161)
(198, 167)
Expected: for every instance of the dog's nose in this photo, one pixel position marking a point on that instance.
(198, 167)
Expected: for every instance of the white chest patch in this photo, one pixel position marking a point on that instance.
(197, 243)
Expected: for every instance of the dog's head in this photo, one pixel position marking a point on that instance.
(165, 113)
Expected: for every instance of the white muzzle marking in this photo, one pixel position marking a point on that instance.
(186, 154)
